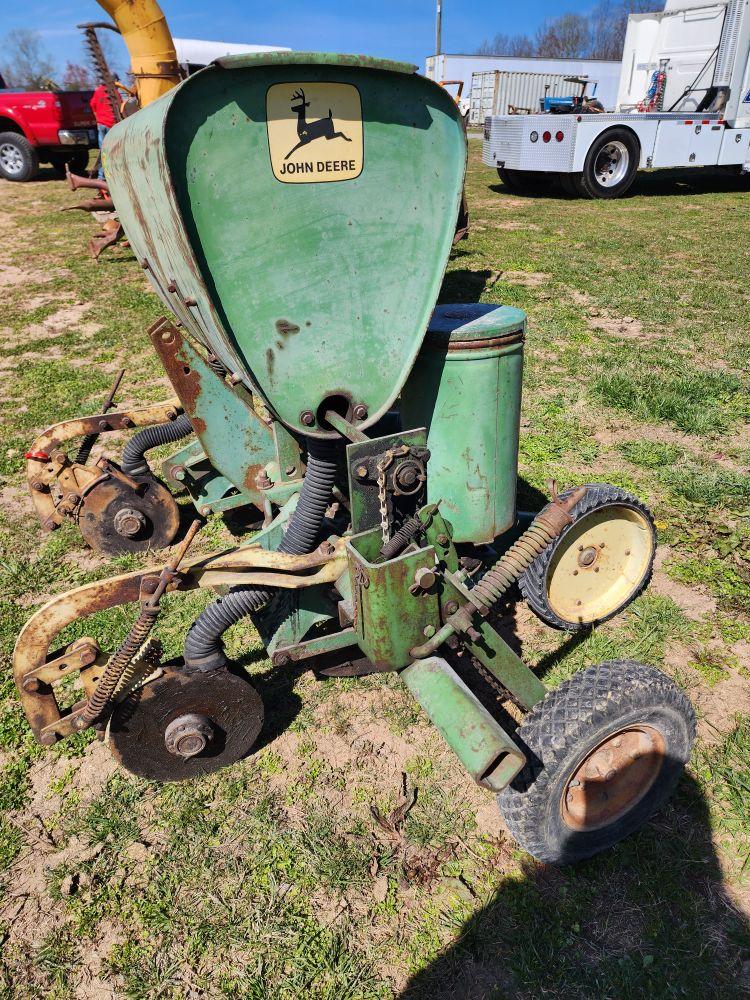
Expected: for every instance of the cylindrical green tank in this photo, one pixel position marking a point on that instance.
(465, 388)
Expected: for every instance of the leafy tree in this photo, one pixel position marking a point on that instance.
(598, 35)
(77, 77)
(26, 65)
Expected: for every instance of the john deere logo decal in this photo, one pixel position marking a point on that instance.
(314, 132)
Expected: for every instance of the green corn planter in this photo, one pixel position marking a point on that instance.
(465, 388)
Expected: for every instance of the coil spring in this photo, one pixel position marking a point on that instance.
(401, 539)
(116, 666)
(497, 580)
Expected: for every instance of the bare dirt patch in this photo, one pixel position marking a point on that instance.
(695, 602)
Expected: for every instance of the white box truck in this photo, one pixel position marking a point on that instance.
(690, 64)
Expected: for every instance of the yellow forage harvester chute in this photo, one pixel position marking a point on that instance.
(153, 59)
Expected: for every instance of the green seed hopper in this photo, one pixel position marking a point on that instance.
(295, 213)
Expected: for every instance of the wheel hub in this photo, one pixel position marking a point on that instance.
(11, 159)
(188, 735)
(129, 522)
(612, 163)
(613, 778)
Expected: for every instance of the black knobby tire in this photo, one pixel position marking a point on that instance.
(564, 728)
(534, 582)
(589, 183)
(21, 160)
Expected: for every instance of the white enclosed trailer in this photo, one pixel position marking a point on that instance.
(598, 155)
(497, 92)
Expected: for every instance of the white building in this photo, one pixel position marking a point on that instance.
(603, 72)
(192, 53)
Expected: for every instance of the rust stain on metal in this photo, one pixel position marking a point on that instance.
(286, 328)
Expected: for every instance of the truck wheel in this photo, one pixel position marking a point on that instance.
(605, 751)
(611, 165)
(18, 159)
(78, 161)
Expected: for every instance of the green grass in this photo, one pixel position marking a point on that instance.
(272, 879)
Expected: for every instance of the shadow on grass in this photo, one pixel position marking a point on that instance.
(691, 181)
(649, 918)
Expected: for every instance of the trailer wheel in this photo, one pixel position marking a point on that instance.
(605, 751)
(610, 166)
(18, 158)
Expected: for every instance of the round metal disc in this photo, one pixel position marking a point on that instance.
(138, 726)
(599, 563)
(613, 778)
(115, 518)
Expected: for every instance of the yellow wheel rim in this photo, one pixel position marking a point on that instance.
(600, 562)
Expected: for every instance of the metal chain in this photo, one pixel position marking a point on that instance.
(385, 526)
(501, 692)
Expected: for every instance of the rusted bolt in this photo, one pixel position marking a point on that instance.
(172, 287)
(145, 264)
(167, 336)
(72, 497)
(601, 545)
(596, 569)
(262, 480)
(361, 472)
(424, 578)
(126, 422)
(171, 414)
(326, 548)
(188, 735)
(103, 425)
(428, 631)
(280, 659)
(60, 456)
(149, 584)
(31, 684)
(36, 485)
(580, 548)
(442, 539)
(205, 511)
(587, 556)
(179, 473)
(360, 411)
(575, 572)
(290, 470)
(307, 417)
(627, 552)
(451, 607)
(190, 301)
(473, 634)
(129, 521)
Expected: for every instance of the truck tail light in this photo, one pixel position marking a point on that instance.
(546, 136)
(559, 136)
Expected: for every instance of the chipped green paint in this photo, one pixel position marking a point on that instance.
(465, 388)
(478, 740)
(306, 290)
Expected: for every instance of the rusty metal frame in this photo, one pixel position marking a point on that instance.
(34, 664)
(46, 462)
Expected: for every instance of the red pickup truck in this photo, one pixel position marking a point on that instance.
(44, 126)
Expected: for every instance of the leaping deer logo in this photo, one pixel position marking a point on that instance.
(323, 128)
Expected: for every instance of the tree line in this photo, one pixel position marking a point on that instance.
(597, 35)
(24, 64)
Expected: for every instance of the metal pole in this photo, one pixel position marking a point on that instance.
(438, 28)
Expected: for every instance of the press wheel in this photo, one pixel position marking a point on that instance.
(114, 518)
(605, 750)
(183, 725)
(597, 566)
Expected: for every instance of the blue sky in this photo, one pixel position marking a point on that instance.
(401, 29)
